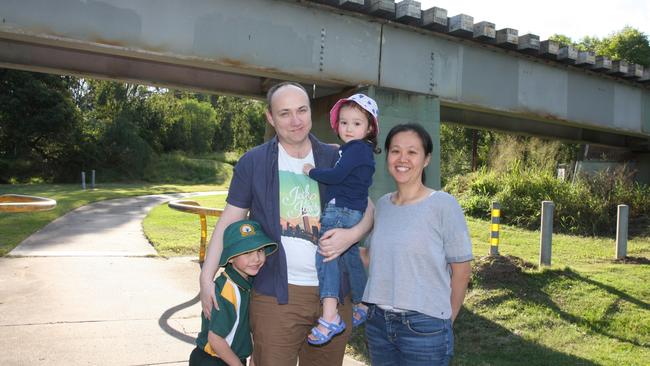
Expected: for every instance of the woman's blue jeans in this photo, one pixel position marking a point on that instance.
(408, 338)
(329, 273)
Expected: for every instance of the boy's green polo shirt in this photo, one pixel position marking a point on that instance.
(230, 322)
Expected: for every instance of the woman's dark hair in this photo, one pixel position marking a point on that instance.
(425, 139)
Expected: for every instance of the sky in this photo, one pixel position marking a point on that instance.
(573, 18)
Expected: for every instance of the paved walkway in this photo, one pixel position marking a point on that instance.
(88, 290)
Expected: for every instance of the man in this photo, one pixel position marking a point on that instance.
(268, 183)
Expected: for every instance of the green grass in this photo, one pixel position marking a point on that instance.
(16, 227)
(585, 309)
(177, 167)
(174, 232)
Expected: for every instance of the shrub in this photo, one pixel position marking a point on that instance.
(178, 168)
(586, 206)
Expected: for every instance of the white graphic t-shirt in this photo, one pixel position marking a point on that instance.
(299, 218)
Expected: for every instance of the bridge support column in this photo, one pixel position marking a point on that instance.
(395, 108)
(643, 168)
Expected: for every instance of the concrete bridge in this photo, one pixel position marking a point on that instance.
(421, 65)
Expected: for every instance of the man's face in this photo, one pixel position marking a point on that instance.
(290, 115)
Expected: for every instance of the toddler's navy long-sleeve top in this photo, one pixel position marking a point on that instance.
(349, 180)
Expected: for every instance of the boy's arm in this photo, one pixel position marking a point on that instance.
(229, 215)
(221, 348)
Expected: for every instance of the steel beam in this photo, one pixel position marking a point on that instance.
(236, 47)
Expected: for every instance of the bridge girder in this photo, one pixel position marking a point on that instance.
(239, 48)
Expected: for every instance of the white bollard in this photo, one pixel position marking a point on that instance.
(621, 231)
(546, 233)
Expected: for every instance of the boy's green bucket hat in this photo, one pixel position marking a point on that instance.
(242, 237)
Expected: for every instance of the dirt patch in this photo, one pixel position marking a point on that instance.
(498, 269)
(632, 260)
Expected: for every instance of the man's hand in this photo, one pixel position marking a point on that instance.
(334, 242)
(208, 299)
(306, 168)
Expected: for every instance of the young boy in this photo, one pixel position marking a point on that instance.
(225, 339)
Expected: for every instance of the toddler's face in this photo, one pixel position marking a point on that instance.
(248, 264)
(353, 124)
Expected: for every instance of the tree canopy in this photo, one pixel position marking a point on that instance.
(52, 127)
(628, 44)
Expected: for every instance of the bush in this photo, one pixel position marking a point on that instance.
(178, 168)
(586, 206)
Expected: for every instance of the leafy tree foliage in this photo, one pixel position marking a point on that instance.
(241, 123)
(53, 127)
(192, 127)
(456, 149)
(628, 44)
(39, 124)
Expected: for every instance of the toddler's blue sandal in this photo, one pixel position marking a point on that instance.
(358, 316)
(333, 328)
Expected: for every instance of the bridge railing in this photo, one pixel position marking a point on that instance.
(194, 207)
(23, 203)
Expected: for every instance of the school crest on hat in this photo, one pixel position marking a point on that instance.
(242, 237)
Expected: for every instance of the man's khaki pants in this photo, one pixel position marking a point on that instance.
(280, 331)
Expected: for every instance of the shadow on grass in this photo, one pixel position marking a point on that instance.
(480, 341)
(531, 289)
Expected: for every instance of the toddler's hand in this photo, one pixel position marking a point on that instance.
(306, 168)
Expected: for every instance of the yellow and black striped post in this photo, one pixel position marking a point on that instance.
(494, 228)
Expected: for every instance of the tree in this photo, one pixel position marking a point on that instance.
(628, 44)
(562, 40)
(193, 128)
(457, 145)
(39, 125)
(241, 123)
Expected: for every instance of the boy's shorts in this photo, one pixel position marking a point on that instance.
(199, 357)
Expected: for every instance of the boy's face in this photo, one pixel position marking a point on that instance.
(248, 264)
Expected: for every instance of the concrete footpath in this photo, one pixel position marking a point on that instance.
(88, 289)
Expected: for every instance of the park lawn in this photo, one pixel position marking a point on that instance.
(586, 309)
(174, 232)
(16, 227)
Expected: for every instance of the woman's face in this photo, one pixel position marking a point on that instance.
(406, 158)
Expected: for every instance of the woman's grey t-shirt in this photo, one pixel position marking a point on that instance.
(411, 247)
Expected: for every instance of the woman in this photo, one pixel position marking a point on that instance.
(420, 254)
